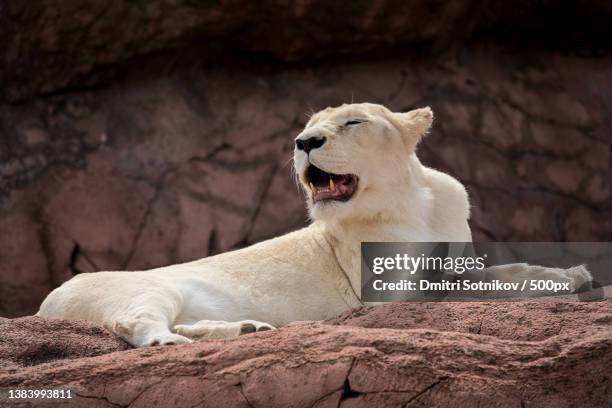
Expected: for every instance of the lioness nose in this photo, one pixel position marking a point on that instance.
(311, 143)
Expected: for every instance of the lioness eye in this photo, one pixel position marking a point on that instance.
(354, 122)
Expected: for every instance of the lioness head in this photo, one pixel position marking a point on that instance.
(355, 160)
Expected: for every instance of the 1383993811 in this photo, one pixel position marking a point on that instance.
(19, 395)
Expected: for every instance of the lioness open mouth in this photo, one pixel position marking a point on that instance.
(328, 186)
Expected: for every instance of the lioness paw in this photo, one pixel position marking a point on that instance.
(217, 329)
(252, 326)
(580, 278)
(168, 339)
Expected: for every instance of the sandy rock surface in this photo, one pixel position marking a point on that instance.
(544, 354)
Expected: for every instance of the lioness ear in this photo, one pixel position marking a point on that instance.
(415, 123)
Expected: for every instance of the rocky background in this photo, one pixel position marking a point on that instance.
(135, 134)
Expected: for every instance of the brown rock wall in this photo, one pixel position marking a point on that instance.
(173, 169)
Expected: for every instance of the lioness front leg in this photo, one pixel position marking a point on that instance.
(147, 321)
(218, 329)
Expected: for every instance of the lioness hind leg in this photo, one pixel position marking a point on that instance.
(218, 329)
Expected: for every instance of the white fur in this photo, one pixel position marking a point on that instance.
(310, 274)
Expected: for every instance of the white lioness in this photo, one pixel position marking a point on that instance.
(363, 182)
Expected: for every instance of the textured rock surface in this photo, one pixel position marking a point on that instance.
(31, 341)
(545, 354)
(137, 134)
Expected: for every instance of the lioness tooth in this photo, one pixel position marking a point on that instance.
(332, 186)
(313, 188)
